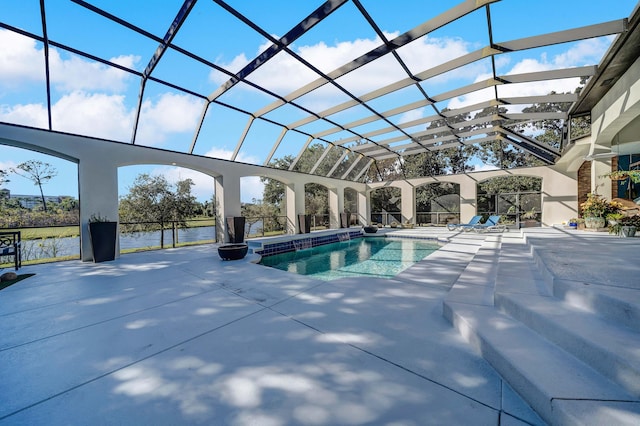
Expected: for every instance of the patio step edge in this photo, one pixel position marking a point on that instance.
(552, 381)
(617, 304)
(604, 345)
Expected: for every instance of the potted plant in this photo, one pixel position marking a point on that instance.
(233, 251)
(573, 223)
(370, 229)
(103, 234)
(530, 218)
(625, 226)
(304, 222)
(235, 228)
(613, 218)
(595, 210)
(634, 175)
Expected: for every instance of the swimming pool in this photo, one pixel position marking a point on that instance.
(371, 257)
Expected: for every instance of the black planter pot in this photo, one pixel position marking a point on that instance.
(370, 229)
(304, 221)
(235, 228)
(233, 251)
(103, 240)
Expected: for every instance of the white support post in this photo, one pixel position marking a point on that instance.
(294, 195)
(408, 206)
(334, 208)
(364, 207)
(468, 206)
(228, 204)
(98, 193)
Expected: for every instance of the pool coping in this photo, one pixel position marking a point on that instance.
(269, 246)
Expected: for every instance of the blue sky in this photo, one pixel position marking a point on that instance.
(91, 99)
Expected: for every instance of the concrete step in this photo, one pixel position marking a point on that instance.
(555, 383)
(608, 347)
(618, 304)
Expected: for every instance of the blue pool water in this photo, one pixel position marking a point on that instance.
(371, 257)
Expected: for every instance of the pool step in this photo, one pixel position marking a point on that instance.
(572, 365)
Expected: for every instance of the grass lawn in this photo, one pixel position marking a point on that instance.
(74, 231)
(50, 232)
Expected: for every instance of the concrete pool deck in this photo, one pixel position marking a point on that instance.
(180, 337)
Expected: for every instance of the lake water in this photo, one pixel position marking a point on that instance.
(70, 246)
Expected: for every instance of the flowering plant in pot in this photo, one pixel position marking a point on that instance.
(625, 226)
(634, 175)
(596, 208)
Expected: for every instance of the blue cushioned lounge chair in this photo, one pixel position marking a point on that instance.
(465, 226)
(491, 225)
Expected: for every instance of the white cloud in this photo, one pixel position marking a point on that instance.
(204, 184)
(582, 53)
(20, 60)
(411, 115)
(250, 187)
(22, 63)
(96, 114)
(107, 116)
(8, 165)
(429, 52)
(76, 73)
(420, 55)
(34, 115)
(226, 154)
(169, 113)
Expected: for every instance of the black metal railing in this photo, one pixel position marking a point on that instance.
(436, 218)
(262, 226)
(148, 235)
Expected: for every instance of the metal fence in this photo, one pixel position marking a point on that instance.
(261, 226)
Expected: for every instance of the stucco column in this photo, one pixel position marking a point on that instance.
(227, 192)
(98, 195)
(408, 207)
(336, 206)
(601, 185)
(468, 203)
(364, 207)
(294, 195)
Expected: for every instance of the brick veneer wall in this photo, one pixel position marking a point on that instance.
(584, 183)
(614, 185)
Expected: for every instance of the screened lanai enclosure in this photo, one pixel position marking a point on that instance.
(419, 104)
(351, 89)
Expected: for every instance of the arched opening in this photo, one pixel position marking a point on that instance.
(386, 206)
(265, 213)
(164, 206)
(316, 205)
(438, 203)
(39, 198)
(517, 199)
(351, 206)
